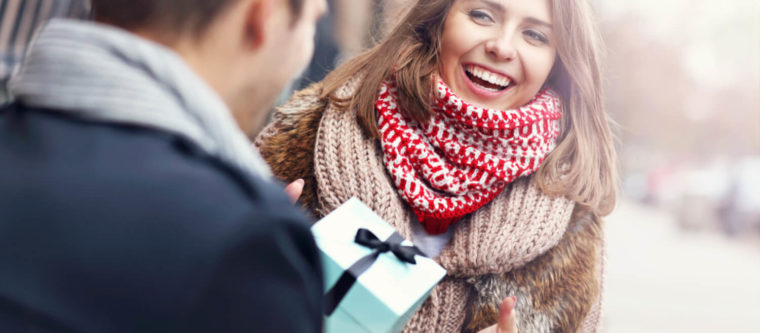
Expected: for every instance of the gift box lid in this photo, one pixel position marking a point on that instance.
(390, 290)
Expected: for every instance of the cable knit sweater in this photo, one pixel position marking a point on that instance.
(545, 250)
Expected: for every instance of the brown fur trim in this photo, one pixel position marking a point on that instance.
(481, 317)
(287, 143)
(555, 291)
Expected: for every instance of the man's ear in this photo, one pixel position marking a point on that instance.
(258, 19)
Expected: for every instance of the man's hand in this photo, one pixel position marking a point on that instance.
(507, 320)
(294, 190)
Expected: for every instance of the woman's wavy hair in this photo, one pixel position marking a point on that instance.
(581, 167)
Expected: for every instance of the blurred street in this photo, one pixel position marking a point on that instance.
(662, 279)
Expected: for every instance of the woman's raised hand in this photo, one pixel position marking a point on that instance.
(294, 190)
(507, 320)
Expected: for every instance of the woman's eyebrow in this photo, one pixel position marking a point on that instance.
(494, 5)
(499, 7)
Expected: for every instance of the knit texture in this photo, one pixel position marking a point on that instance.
(517, 226)
(464, 156)
(559, 291)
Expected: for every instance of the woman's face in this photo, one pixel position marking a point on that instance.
(497, 53)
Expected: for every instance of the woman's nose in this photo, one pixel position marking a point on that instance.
(501, 47)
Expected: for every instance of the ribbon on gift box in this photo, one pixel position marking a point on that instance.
(366, 238)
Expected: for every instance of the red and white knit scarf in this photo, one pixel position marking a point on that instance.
(464, 155)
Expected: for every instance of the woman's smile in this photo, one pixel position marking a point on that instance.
(487, 83)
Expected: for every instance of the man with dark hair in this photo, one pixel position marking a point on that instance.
(170, 15)
(131, 199)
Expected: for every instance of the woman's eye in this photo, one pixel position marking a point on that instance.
(536, 37)
(480, 16)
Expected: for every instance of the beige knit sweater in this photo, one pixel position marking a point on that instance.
(542, 249)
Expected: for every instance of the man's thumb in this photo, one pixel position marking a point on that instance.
(507, 319)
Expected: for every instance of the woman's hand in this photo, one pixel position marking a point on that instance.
(294, 190)
(507, 321)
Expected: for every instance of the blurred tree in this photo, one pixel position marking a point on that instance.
(682, 79)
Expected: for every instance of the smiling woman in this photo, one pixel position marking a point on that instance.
(476, 129)
(494, 57)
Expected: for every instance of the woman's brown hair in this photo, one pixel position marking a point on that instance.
(581, 167)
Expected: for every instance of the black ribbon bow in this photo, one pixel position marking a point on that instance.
(366, 238)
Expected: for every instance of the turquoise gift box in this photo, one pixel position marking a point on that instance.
(387, 290)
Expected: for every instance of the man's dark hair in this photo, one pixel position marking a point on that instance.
(171, 15)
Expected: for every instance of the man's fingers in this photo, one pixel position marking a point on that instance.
(507, 319)
(294, 190)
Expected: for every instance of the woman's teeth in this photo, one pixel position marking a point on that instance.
(487, 79)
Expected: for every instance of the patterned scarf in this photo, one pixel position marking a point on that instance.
(465, 155)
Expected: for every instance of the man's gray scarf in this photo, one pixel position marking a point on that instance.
(101, 73)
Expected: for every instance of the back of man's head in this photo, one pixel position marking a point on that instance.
(231, 44)
(169, 16)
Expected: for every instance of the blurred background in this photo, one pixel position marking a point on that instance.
(683, 83)
(683, 86)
